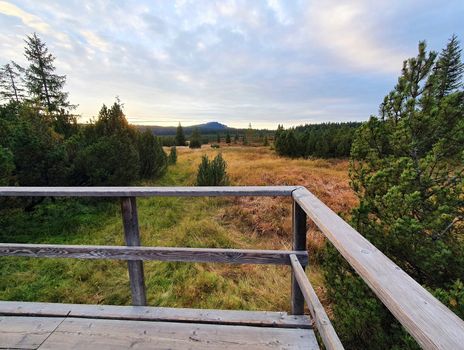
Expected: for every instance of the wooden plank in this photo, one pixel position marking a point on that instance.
(323, 324)
(147, 313)
(231, 256)
(299, 243)
(132, 238)
(272, 191)
(80, 333)
(432, 324)
(26, 332)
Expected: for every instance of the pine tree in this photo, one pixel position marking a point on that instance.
(212, 173)
(236, 137)
(11, 82)
(265, 141)
(195, 140)
(172, 158)
(180, 137)
(218, 138)
(407, 171)
(43, 84)
(228, 138)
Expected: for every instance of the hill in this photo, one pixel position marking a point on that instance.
(205, 128)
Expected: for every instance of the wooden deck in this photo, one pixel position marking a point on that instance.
(68, 326)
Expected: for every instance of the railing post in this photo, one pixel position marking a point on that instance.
(299, 243)
(132, 238)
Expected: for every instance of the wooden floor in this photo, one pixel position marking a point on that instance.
(69, 326)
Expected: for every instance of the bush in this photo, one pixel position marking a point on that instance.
(153, 159)
(215, 145)
(212, 173)
(172, 158)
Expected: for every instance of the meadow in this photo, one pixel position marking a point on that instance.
(245, 222)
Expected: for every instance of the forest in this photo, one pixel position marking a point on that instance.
(325, 140)
(41, 143)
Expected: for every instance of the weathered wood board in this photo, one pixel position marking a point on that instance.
(218, 255)
(18, 332)
(80, 333)
(213, 191)
(147, 313)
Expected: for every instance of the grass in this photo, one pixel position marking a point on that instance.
(246, 222)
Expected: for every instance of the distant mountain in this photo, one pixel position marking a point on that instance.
(205, 128)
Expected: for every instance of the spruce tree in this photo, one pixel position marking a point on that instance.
(218, 138)
(228, 138)
(180, 137)
(43, 84)
(11, 88)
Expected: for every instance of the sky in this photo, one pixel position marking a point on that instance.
(237, 62)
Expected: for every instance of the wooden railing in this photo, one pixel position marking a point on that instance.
(426, 319)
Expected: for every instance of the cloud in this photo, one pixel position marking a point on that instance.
(34, 22)
(233, 60)
(348, 30)
(28, 19)
(95, 40)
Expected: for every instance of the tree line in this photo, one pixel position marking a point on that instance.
(407, 169)
(41, 143)
(326, 140)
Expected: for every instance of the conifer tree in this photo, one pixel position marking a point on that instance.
(218, 138)
(180, 137)
(407, 171)
(11, 87)
(236, 137)
(43, 84)
(172, 158)
(228, 138)
(195, 140)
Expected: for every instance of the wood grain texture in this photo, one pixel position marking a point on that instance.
(299, 243)
(132, 237)
(88, 334)
(148, 313)
(323, 324)
(18, 332)
(231, 256)
(432, 324)
(213, 191)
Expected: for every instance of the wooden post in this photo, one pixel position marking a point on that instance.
(132, 238)
(299, 243)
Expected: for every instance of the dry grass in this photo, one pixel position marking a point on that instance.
(267, 221)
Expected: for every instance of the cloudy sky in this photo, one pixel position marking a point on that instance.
(233, 61)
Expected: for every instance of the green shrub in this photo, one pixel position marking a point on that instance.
(195, 140)
(212, 173)
(172, 158)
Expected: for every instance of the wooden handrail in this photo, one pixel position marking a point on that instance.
(430, 322)
(231, 256)
(183, 191)
(323, 324)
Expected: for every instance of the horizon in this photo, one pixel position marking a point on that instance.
(233, 62)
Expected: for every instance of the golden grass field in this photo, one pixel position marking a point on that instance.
(246, 222)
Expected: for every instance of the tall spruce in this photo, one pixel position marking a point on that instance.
(43, 84)
(407, 171)
(11, 82)
(180, 137)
